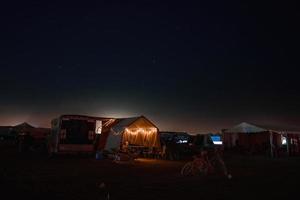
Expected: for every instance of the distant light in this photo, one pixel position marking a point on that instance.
(218, 142)
(98, 127)
(283, 140)
(182, 142)
(135, 131)
(216, 139)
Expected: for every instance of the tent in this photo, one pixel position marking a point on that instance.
(23, 128)
(35, 132)
(262, 137)
(135, 131)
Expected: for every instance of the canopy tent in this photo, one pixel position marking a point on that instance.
(261, 136)
(24, 127)
(245, 128)
(135, 131)
(35, 132)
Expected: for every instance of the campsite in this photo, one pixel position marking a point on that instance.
(149, 100)
(76, 159)
(33, 176)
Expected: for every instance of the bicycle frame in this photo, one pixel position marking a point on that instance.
(204, 165)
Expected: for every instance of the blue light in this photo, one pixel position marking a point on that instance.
(216, 139)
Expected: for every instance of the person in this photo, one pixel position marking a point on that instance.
(125, 147)
(237, 145)
(211, 159)
(216, 156)
(164, 150)
(103, 191)
(202, 156)
(275, 150)
(169, 151)
(99, 155)
(201, 161)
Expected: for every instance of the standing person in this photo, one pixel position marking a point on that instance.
(216, 156)
(126, 147)
(275, 150)
(171, 150)
(164, 150)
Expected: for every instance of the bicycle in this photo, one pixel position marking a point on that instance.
(199, 166)
(204, 165)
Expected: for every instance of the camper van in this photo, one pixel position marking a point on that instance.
(74, 134)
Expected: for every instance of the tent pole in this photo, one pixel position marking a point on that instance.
(271, 144)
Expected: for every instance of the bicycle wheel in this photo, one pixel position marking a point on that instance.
(187, 169)
(203, 169)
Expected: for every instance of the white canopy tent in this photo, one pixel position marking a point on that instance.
(245, 128)
(232, 134)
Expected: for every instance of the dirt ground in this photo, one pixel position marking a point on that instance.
(34, 176)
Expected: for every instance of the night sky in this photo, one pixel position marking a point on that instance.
(194, 67)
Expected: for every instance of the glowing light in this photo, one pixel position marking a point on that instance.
(182, 141)
(135, 131)
(109, 122)
(216, 139)
(98, 127)
(218, 142)
(283, 140)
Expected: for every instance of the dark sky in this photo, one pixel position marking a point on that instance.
(186, 66)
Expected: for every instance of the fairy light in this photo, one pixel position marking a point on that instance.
(135, 131)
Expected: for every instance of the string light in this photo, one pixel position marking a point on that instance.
(135, 131)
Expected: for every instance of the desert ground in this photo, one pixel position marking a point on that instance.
(35, 176)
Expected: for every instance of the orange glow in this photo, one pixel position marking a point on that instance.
(135, 131)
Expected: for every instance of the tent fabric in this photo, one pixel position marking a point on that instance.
(150, 138)
(245, 128)
(37, 133)
(281, 128)
(247, 135)
(122, 124)
(24, 127)
(251, 128)
(121, 132)
(113, 141)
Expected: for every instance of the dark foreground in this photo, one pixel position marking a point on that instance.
(73, 177)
